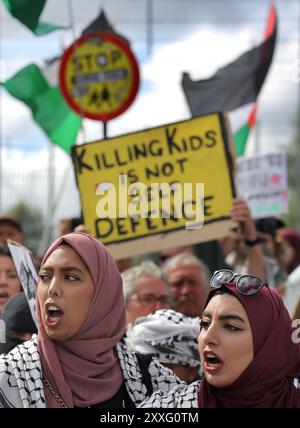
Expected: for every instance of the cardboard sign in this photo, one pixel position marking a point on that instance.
(191, 152)
(23, 261)
(262, 181)
(99, 76)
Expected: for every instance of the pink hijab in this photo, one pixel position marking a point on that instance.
(268, 380)
(85, 370)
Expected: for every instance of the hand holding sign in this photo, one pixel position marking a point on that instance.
(241, 214)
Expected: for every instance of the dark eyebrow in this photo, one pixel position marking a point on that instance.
(63, 269)
(206, 314)
(232, 317)
(224, 317)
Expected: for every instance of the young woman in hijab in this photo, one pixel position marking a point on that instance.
(76, 359)
(289, 252)
(249, 354)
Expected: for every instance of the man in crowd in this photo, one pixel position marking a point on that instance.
(189, 280)
(145, 290)
(10, 228)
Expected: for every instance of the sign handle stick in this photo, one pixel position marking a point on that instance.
(104, 130)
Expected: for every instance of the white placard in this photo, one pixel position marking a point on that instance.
(23, 261)
(262, 181)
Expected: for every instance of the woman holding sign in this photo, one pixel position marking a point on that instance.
(249, 353)
(76, 360)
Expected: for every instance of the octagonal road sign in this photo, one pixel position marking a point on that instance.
(99, 76)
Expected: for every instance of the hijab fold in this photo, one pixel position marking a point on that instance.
(84, 370)
(268, 381)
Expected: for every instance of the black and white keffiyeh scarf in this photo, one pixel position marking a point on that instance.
(21, 384)
(169, 335)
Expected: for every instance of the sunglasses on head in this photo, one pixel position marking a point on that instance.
(245, 284)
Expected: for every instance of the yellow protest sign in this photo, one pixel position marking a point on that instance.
(170, 185)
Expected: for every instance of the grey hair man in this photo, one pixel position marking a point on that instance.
(189, 280)
(145, 290)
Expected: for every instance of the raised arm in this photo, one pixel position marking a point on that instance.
(241, 214)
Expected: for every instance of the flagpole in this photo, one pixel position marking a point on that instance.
(72, 25)
(51, 176)
(257, 138)
(149, 18)
(104, 130)
(72, 20)
(45, 240)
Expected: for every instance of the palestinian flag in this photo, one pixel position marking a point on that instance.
(28, 13)
(38, 89)
(49, 110)
(101, 23)
(235, 87)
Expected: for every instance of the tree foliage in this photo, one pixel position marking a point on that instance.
(31, 220)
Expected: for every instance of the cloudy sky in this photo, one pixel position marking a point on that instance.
(197, 36)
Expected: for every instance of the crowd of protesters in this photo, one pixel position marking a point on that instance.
(114, 333)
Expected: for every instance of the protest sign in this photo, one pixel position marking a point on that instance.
(99, 76)
(262, 181)
(23, 261)
(159, 179)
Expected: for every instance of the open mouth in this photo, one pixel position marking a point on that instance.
(4, 296)
(53, 315)
(212, 362)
